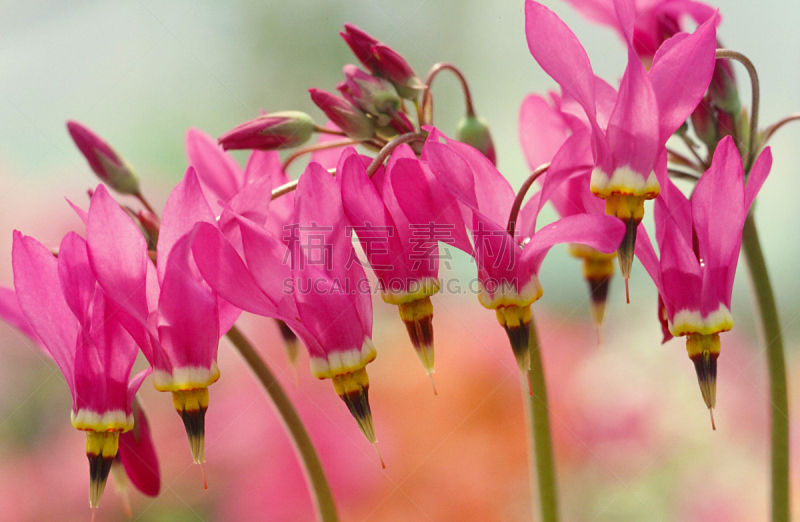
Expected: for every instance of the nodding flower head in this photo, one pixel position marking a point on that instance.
(699, 250)
(629, 128)
(78, 326)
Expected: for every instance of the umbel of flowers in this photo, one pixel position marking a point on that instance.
(232, 239)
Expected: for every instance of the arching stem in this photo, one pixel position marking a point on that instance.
(315, 476)
(427, 97)
(512, 218)
(318, 146)
(409, 137)
(755, 88)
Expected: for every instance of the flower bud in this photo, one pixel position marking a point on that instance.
(104, 161)
(372, 95)
(344, 115)
(704, 123)
(394, 68)
(474, 131)
(361, 44)
(723, 88)
(278, 130)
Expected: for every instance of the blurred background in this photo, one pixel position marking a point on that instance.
(632, 436)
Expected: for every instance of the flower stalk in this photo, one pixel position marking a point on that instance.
(541, 442)
(315, 476)
(771, 336)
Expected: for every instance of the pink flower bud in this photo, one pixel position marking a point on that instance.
(104, 161)
(343, 114)
(278, 130)
(393, 67)
(361, 44)
(371, 94)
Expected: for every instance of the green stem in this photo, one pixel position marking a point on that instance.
(772, 338)
(541, 443)
(315, 476)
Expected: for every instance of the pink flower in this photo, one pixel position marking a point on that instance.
(78, 326)
(173, 315)
(279, 130)
(508, 266)
(136, 448)
(403, 256)
(104, 161)
(543, 131)
(699, 241)
(628, 134)
(322, 294)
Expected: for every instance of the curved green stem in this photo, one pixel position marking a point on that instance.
(541, 443)
(315, 476)
(771, 336)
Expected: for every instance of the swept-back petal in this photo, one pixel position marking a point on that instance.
(601, 232)
(718, 208)
(185, 206)
(137, 452)
(12, 314)
(226, 273)
(633, 127)
(758, 175)
(188, 312)
(218, 173)
(542, 130)
(38, 292)
(680, 75)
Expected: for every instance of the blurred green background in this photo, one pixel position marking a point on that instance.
(141, 72)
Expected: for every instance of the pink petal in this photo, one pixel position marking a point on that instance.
(103, 360)
(426, 203)
(76, 276)
(188, 313)
(560, 54)
(633, 127)
(118, 254)
(12, 314)
(471, 178)
(758, 175)
(81, 213)
(185, 206)
(372, 222)
(264, 163)
(542, 130)
(137, 451)
(671, 208)
(38, 292)
(339, 320)
(603, 233)
(267, 259)
(218, 173)
(647, 255)
(226, 273)
(572, 159)
(718, 206)
(599, 11)
(680, 75)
